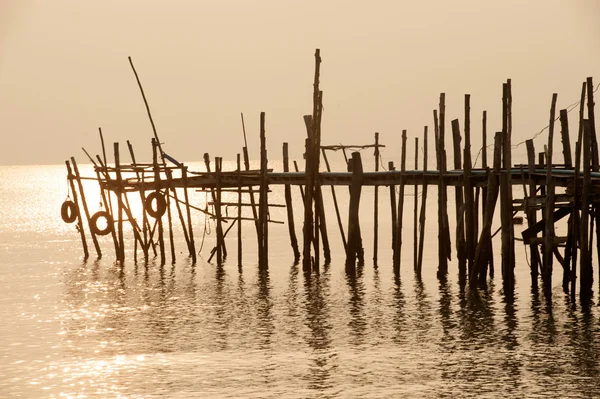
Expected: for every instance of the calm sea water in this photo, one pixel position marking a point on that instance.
(91, 329)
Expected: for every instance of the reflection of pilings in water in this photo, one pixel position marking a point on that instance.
(317, 320)
(357, 322)
(399, 318)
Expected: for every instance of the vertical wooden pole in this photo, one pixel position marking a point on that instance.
(484, 247)
(308, 209)
(394, 211)
(531, 215)
(106, 200)
(575, 228)
(444, 230)
(461, 253)
(400, 212)
(470, 204)
(121, 257)
(218, 212)
(568, 161)
(508, 258)
(376, 203)
(585, 280)
(239, 209)
(250, 190)
(289, 206)
(220, 238)
(263, 209)
(145, 223)
(169, 175)
(549, 210)
(422, 215)
(161, 241)
(484, 165)
(71, 177)
(85, 207)
(353, 219)
(192, 245)
(416, 209)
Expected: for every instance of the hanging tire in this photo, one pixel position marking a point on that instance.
(69, 211)
(94, 223)
(161, 204)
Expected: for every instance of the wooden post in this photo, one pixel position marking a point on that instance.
(549, 209)
(121, 256)
(239, 206)
(85, 207)
(484, 165)
(508, 253)
(106, 200)
(353, 218)
(470, 204)
(217, 201)
(416, 210)
(585, 280)
(444, 253)
(308, 210)
(564, 135)
(531, 214)
(289, 206)
(320, 224)
(220, 238)
(263, 210)
(400, 212)
(461, 253)
(394, 211)
(484, 247)
(145, 224)
(376, 203)
(575, 228)
(161, 241)
(251, 191)
(192, 245)
(422, 215)
(71, 177)
(169, 175)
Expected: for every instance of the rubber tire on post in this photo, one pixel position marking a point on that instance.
(161, 205)
(69, 211)
(94, 223)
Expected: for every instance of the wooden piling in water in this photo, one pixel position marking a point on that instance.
(531, 214)
(121, 254)
(394, 210)
(85, 207)
(354, 246)
(71, 177)
(470, 203)
(156, 168)
(192, 245)
(508, 250)
(444, 249)
(239, 210)
(585, 273)
(416, 210)
(461, 252)
(289, 206)
(484, 247)
(549, 207)
(218, 214)
(399, 214)
(376, 203)
(263, 210)
(422, 215)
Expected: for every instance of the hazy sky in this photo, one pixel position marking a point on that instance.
(64, 71)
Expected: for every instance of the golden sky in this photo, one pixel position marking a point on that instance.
(64, 71)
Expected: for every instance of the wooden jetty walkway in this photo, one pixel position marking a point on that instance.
(162, 188)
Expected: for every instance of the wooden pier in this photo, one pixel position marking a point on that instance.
(552, 190)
